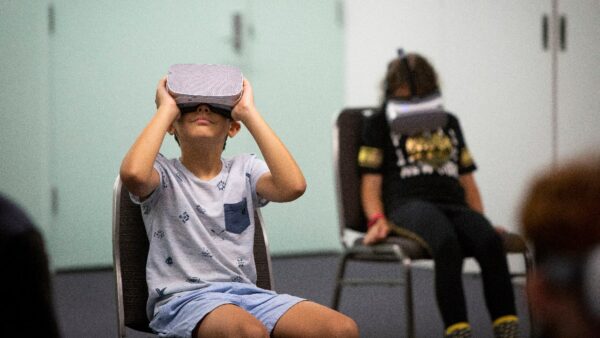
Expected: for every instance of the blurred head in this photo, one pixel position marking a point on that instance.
(561, 213)
(561, 219)
(406, 69)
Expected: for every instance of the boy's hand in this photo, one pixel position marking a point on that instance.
(163, 98)
(244, 108)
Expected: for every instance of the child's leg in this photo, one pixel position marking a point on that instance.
(230, 321)
(480, 239)
(430, 223)
(309, 319)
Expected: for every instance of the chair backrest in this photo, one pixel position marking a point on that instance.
(347, 131)
(130, 250)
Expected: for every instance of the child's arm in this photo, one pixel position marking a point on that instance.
(471, 192)
(137, 169)
(285, 182)
(370, 195)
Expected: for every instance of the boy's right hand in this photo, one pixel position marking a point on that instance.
(163, 98)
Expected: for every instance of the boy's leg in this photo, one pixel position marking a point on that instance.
(309, 319)
(230, 321)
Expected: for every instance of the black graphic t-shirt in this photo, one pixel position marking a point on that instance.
(424, 166)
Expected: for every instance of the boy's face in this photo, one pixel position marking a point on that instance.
(205, 125)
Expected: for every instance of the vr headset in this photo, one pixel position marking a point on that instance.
(414, 115)
(218, 86)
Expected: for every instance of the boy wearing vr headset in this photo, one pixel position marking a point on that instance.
(198, 215)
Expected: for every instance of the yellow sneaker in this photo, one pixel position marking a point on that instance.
(506, 327)
(458, 330)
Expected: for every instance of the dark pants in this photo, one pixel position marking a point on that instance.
(454, 232)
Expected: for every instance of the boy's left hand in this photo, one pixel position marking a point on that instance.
(244, 108)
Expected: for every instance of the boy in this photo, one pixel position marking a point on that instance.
(200, 269)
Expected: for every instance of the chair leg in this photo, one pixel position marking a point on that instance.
(410, 320)
(339, 281)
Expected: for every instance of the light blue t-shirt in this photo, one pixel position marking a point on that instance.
(200, 231)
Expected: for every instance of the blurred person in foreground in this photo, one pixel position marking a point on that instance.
(26, 282)
(561, 219)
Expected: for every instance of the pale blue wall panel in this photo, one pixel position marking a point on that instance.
(23, 107)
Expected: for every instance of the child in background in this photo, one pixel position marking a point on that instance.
(424, 185)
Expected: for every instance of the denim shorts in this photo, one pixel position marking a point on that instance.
(180, 315)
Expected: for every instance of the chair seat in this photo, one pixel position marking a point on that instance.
(394, 248)
(391, 249)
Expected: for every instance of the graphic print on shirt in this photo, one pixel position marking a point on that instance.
(179, 176)
(218, 232)
(194, 280)
(159, 234)
(221, 185)
(161, 292)
(163, 178)
(204, 252)
(169, 260)
(241, 262)
(427, 153)
(184, 217)
(200, 209)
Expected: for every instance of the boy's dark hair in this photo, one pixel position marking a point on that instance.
(409, 68)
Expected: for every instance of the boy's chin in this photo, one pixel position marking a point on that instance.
(203, 140)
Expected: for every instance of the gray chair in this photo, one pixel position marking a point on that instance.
(130, 248)
(347, 132)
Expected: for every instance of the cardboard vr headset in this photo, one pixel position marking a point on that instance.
(219, 86)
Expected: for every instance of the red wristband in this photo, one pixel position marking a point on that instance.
(376, 217)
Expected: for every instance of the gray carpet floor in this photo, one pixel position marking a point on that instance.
(85, 300)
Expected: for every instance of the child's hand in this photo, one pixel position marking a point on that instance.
(377, 233)
(245, 106)
(163, 98)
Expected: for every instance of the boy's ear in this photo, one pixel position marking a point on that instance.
(234, 128)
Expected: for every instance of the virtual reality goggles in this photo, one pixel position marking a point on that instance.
(410, 117)
(218, 86)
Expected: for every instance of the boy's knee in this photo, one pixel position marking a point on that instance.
(254, 330)
(345, 327)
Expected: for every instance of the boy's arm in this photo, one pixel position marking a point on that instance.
(285, 182)
(137, 169)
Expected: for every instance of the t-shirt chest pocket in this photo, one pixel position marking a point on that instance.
(237, 218)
